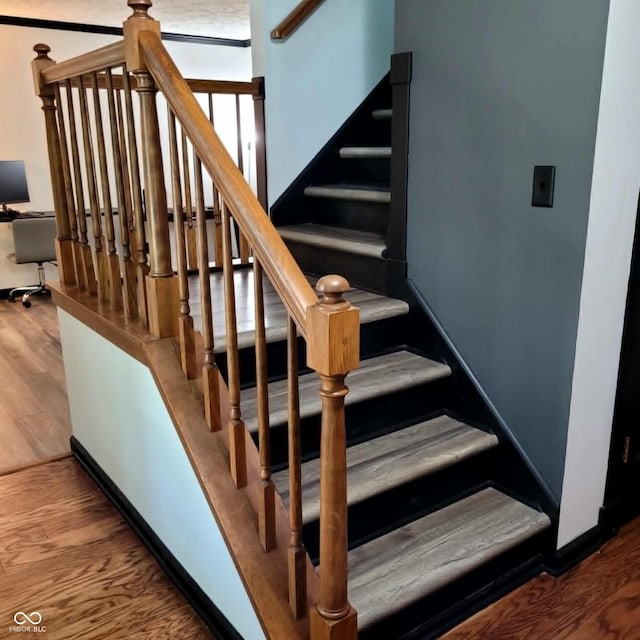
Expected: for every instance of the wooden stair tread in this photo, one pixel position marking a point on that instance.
(376, 376)
(373, 307)
(392, 460)
(362, 243)
(365, 152)
(360, 193)
(382, 114)
(399, 568)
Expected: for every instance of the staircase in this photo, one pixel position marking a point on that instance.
(335, 217)
(441, 512)
(433, 521)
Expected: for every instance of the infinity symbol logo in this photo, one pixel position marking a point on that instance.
(22, 618)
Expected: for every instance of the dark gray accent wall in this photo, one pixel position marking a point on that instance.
(498, 87)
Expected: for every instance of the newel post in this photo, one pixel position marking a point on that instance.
(333, 349)
(161, 283)
(63, 242)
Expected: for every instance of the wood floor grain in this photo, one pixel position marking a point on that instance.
(35, 425)
(597, 600)
(67, 554)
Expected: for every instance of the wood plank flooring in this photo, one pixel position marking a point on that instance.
(34, 412)
(67, 554)
(597, 600)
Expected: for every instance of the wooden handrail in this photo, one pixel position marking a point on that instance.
(278, 263)
(222, 87)
(112, 55)
(299, 14)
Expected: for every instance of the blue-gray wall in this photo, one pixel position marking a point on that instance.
(498, 87)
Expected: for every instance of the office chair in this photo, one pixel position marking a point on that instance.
(33, 240)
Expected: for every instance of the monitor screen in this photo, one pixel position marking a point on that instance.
(13, 182)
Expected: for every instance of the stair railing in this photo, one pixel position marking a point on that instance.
(295, 19)
(126, 165)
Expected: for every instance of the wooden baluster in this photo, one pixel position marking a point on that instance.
(162, 290)
(333, 350)
(266, 513)
(217, 218)
(296, 555)
(94, 204)
(210, 374)
(113, 262)
(63, 242)
(119, 151)
(68, 186)
(185, 321)
(237, 452)
(142, 268)
(259, 144)
(192, 251)
(88, 280)
(126, 180)
(243, 246)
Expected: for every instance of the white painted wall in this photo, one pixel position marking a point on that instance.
(127, 430)
(22, 122)
(316, 78)
(614, 196)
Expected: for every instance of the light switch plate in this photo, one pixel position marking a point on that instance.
(544, 177)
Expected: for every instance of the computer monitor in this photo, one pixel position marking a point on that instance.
(13, 183)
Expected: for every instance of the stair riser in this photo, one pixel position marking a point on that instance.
(369, 273)
(362, 216)
(387, 511)
(364, 171)
(367, 419)
(374, 339)
(457, 601)
(276, 362)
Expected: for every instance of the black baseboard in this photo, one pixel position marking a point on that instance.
(576, 551)
(4, 294)
(213, 618)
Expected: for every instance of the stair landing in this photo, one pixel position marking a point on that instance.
(373, 307)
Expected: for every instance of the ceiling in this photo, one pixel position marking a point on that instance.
(217, 18)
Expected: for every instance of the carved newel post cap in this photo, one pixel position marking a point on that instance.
(42, 50)
(331, 288)
(140, 8)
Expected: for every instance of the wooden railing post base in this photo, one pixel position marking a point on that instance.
(89, 270)
(297, 559)
(115, 281)
(345, 628)
(162, 303)
(66, 261)
(188, 347)
(266, 517)
(142, 271)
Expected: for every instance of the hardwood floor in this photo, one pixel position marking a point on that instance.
(66, 554)
(598, 600)
(34, 412)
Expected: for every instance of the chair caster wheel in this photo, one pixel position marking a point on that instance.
(26, 303)
(11, 299)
